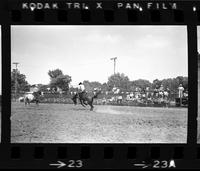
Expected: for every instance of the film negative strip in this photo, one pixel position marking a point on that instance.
(100, 84)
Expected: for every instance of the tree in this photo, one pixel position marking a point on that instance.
(182, 80)
(172, 83)
(120, 81)
(156, 83)
(43, 87)
(104, 87)
(185, 82)
(59, 80)
(140, 83)
(22, 84)
(55, 73)
(89, 86)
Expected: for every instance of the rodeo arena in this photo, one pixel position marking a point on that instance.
(141, 116)
(159, 97)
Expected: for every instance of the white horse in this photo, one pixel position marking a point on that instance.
(29, 97)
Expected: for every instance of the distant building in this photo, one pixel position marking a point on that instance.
(34, 88)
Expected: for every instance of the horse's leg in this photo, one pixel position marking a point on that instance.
(84, 99)
(81, 102)
(74, 99)
(80, 99)
(85, 102)
(91, 106)
(25, 101)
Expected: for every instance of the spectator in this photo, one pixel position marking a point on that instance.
(180, 91)
(156, 90)
(161, 88)
(147, 92)
(167, 89)
(131, 95)
(185, 94)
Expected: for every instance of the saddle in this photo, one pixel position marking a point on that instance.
(82, 95)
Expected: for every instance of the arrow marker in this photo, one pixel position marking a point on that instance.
(141, 165)
(59, 164)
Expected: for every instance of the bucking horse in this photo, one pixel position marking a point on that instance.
(85, 98)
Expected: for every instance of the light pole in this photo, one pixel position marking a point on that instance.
(15, 63)
(114, 59)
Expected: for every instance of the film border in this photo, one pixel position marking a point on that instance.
(100, 155)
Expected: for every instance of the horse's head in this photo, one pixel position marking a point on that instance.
(97, 92)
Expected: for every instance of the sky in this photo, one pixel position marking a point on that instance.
(84, 52)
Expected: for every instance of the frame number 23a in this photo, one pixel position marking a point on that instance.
(164, 164)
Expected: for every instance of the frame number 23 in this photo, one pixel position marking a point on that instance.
(75, 163)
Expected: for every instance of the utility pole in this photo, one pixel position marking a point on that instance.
(15, 63)
(114, 59)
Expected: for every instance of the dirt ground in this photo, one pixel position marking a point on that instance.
(66, 123)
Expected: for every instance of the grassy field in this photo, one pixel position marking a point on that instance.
(66, 123)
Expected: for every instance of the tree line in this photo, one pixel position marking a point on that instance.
(119, 80)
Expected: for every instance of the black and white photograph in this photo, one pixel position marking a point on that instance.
(198, 116)
(99, 84)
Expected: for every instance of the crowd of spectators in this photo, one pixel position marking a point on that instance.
(147, 95)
